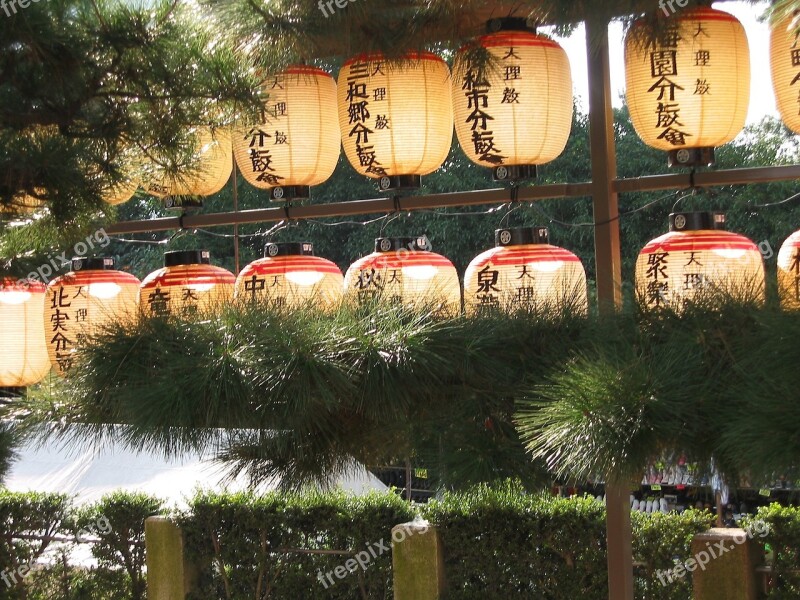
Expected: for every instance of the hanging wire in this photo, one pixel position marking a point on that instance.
(789, 199)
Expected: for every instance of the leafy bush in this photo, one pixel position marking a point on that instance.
(241, 540)
(784, 540)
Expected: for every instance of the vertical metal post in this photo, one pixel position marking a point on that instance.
(608, 261)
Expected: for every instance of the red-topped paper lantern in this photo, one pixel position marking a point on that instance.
(290, 276)
(296, 143)
(516, 111)
(789, 272)
(23, 350)
(81, 302)
(524, 272)
(396, 116)
(187, 285)
(690, 91)
(403, 271)
(698, 259)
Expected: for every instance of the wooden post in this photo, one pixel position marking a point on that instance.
(608, 260)
(169, 574)
(417, 562)
(723, 565)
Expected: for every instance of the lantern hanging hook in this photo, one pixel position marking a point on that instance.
(396, 201)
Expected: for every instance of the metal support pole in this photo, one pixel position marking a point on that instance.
(608, 259)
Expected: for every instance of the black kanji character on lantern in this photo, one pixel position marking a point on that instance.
(693, 260)
(355, 90)
(64, 360)
(510, 54)
(378, 69)
(694, 281)
(395, 277)
(472, 80)
(700, 30)
(702, 87)
(270, 178)
(253, 285)
(276, 84)
(58, 300)
(369, 279)
(257, 137)
(525, 273)
(525, 295)
(657, 265)
(667, 114)
(80, 292)
(674, 136)
(159, 302)
(361, 132)
(513, 72)
(701, 58)
(58, 320)
(663, 62)
(669, 38)
(487, 280)
(262, 160)
(61, 341)
(487, 303)
(80, 315)
(485, 148)
(280, 138)
(379, 94)
(657, 292)
(381, 122)
(280, 109)
(664, 85)
(188, 295)
(358, 111)
(510, 96)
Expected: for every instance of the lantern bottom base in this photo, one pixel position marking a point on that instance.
(691, 157)
(286, 193)
(513, 172)
(9, 393)
(183, 202)
(399, 182)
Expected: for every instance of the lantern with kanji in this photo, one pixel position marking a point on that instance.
(688, 83)
(789, 272)
(187, 285)
(525, 273)
(785, 66)
(396, 116)
(698, 261)
(81, 302)
(296, 142)
(290, 276)
(208, 173)
(403, 271)
(23, 350)
(120, 193)
(515, 111)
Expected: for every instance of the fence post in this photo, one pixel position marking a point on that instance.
(724, 564)
(417, 562)
(169, 573)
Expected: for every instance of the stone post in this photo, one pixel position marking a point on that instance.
(169, 573)
(417, 561)
(724, 565)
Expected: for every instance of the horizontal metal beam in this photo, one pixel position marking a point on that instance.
(497, 196)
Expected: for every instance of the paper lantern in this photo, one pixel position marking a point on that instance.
(290, 276)
(296, 142)
(697, 259)
(396, 116)
(187, 285)
(789, 272)
(22, 204)
(785, 65)
(120, 193)
(81, 302)
(690, 91)
(525, 273)
(210, 170)
(516, 112)
(403, 271)
(23, 351)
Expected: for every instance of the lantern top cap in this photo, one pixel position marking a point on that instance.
(696, 221)
(510, 24)
(176, 258)
(272, 250)
(518, 236)
(394, 244)
(96, 263)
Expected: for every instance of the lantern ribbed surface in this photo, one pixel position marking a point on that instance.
(186, 289)
(529, 277)
(789, 272)
(680, 266)
(297, 140)
(396, 117)
(210, 171)
(692, 89)
(412, 278)
(23, 350)
(79, 304)
(291, 281)
(120, 193)
(785, 66)
(519, 110)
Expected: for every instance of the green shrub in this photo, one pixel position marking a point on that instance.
(784, 540)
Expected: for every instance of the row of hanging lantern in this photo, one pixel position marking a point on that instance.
(696, 259)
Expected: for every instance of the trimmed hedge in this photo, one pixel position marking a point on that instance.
(116, 520)
(784, 540)
(499, 543)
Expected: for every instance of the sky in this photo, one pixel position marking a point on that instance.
(762, 100)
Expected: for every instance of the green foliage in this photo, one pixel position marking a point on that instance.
(8, 442)
(117, 520)
(242, 541)
(783, 539)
